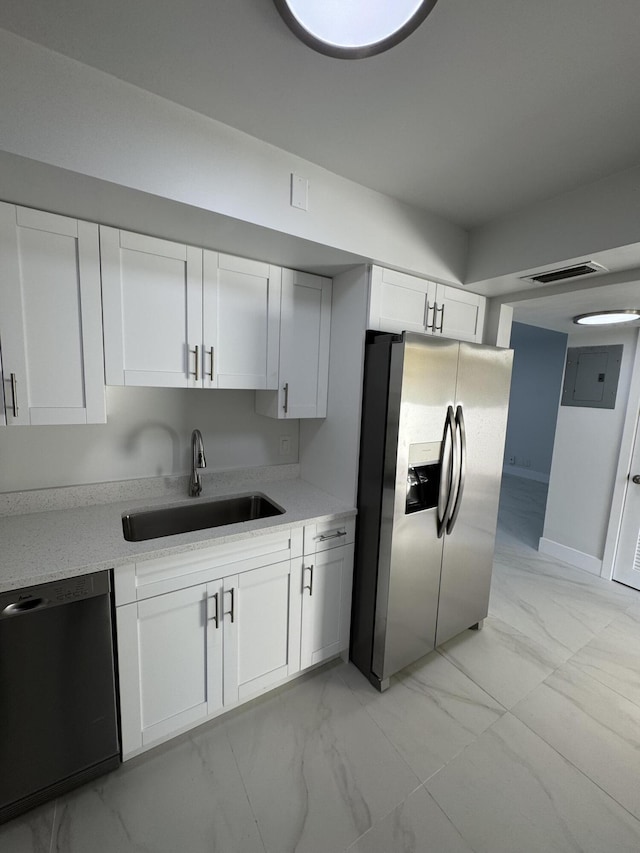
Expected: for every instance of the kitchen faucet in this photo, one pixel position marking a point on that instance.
(197, 461)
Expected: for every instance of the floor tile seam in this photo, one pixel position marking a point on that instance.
(381, 730)
(447, 816)
(539, 644)
(578, 769)
(472, 679)
(53, 824)
(383, 818)
(594, 678)
(244, 788)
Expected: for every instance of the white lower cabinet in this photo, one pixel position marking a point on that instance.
(199, 633)
(326, 604)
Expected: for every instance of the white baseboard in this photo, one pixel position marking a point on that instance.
(570, 555)
(525, 473)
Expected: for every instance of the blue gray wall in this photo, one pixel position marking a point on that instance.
(538, 365)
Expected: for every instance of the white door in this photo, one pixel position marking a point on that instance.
(627, 563)
(326, 604)
(172, 648)
(459, 314)
(50, 318)
(152, 303)
(400, 302)
(241, 322)
(261, 629)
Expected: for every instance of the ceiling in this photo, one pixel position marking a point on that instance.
(491, 105)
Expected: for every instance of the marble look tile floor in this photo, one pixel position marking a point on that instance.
(523, 737)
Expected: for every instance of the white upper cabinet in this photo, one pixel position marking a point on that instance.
(241, 319)
(399, 302)
(460, 314)
(177, 316)
(50, 319)
(152, 303)
(303, 372)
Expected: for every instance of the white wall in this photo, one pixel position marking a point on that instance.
(585, 458)
(60, 112)
(147, 434)
(574, 225)
(536, 381)
(330, 448)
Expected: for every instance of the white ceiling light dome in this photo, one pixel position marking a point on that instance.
(353, 29)
(607, 318)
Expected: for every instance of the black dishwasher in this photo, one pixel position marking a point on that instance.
(58, 707)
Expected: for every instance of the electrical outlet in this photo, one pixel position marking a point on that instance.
(512, 460)
(285, 445)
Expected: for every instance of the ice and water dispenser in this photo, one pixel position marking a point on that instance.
(423, 476)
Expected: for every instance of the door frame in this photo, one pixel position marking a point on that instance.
(623, 468)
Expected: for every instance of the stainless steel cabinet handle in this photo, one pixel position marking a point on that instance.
(14, 394)
(447, 469)
(435, 314)
(310, 586)
(196, 352)
(216, 614)
(232, 612)
(211, 354)
(439, 328)
(426, 315)
(325, 536)
(286, 397)
(463, 469)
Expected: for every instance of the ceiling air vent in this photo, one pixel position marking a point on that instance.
(551, 276)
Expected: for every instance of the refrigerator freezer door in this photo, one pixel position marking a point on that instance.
(484, 378)
(422, 385)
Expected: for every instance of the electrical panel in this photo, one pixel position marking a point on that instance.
(591, 376)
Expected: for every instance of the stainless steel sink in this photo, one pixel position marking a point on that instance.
(154, 523)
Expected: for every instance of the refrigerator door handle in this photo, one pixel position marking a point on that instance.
(462, 470)
(448, 467)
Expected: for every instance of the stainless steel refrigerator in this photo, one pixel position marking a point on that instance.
(433, 427)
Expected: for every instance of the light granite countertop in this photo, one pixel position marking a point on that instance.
(38, 546)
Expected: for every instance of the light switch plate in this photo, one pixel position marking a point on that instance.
(299, 192)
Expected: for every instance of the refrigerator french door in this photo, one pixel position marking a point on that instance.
(432, 439)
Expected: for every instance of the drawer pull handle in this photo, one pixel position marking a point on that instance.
(310, 586)
(196, 372)
(232, 612)
(216, 616)
(14, 394)
(326, 536)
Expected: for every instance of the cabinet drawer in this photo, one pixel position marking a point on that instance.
(328, 534)
(166, 574)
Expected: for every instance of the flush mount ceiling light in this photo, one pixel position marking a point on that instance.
(353, 29)
(606, 318)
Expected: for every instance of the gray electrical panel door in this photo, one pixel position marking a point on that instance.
(591, 376)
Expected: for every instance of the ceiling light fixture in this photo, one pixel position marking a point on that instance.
(353, 29)
(606, 318)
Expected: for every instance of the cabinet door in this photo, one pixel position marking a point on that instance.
(50, 318)
(152, 303)
(326, 604)
(400, 302)
(173, 646)
(460, 314)
(261, 629)
(241, 322)
(305, 326)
